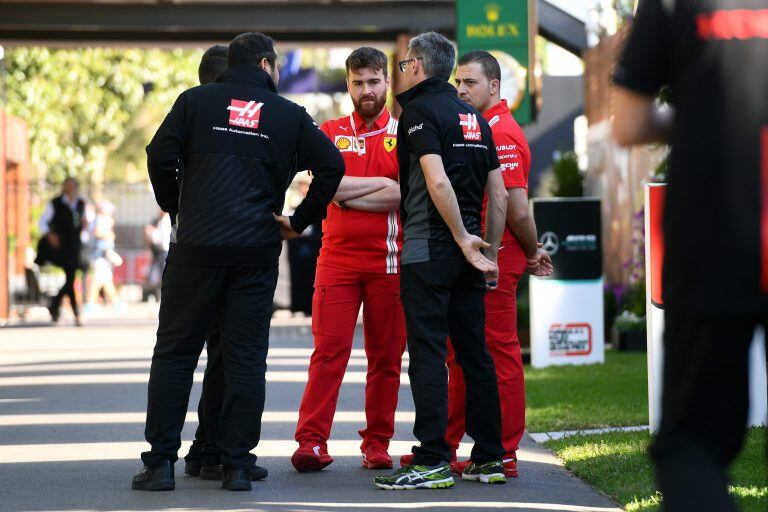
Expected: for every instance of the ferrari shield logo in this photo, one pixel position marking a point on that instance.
(390, 143)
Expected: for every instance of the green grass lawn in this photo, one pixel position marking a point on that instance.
(615, 394)
(617, 464)
(573, 397)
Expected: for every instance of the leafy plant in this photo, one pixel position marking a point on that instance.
(568, 179)
(629, 321)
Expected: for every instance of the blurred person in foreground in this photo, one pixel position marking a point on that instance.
(61, 226)
(478, 81)
(359, 264)
(204, 457)
(713, 56)
(447, 163)
(235, 145)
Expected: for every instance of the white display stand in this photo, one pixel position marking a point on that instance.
(566, 322)
(758, 380)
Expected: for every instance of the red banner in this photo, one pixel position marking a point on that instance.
(656, 197)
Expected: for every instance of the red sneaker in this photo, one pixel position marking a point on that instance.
(510, 467)
(311, 457)
(459, 467)
(377, 458)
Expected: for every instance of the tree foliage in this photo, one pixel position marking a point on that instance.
(79, 104)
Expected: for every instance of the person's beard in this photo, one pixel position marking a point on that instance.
(368, 109)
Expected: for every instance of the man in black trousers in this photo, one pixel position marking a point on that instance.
(236, 144)
(713, 55)
(203, 459)
(61, 224)
(447, 162)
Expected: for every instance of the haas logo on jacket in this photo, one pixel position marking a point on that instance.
(469, 126)
(244, 114)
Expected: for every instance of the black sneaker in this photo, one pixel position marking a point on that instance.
(237, 480)
(158, 477)
(258, 473)
(417, 477)
(192, 468)
(211, 472)
(488, 473)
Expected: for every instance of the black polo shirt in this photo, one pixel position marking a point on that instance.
(435, 121)
(714, 56)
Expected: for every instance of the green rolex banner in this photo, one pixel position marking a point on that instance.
(507, 29)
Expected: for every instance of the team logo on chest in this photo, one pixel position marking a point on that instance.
(344, 143)
(469, 126)
(390, 143)
(245, 114)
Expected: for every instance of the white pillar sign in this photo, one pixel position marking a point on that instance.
(567, 308)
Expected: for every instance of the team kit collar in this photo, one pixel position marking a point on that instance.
(249, 73)
(358, 123)
(385, 124)
(431, 85)
(500, 109)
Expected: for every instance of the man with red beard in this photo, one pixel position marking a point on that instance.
(358, 264)
(478, 80)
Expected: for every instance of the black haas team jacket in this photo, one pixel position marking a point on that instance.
(221, 163)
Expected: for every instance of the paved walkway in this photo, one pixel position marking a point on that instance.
(72, 405)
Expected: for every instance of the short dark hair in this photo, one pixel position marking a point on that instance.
(251, 48)
(367, 57)
(437, 54)
(487, 62)
(213, 63)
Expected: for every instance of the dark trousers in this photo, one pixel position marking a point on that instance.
(67, 290)
(241, 299)
(704, 408)
(204, 447)
(442, 299)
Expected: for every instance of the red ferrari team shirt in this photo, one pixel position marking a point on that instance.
(514, 159)
(354, 239)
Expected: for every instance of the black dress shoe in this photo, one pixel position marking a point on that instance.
(211, 472)
(192, 468)
(237, 480)
(158, 477)
(258, 473)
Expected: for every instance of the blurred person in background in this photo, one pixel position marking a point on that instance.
(157, 236)
(302, 252)
(713, 56)
(359, 265)
(86, 250)
(104, 256)
(61, 225)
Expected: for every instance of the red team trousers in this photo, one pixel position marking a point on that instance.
(339, 292)
(504, 346)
